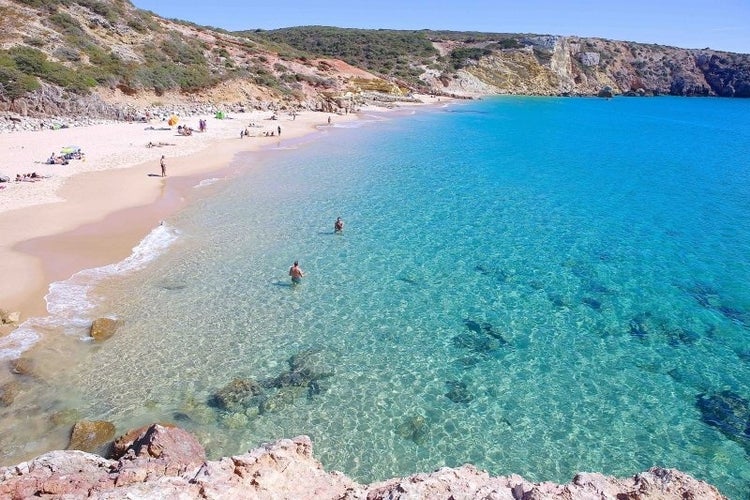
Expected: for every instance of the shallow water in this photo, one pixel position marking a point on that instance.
(539, 286)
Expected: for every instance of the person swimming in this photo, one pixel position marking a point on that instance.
(296, 273)
(338, 226)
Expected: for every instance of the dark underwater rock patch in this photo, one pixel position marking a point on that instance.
(244, 398)
(639, 327)
(681, 336)
(493, 272)
(236, 395)
(592, 303)
(728, 412)
(482, 339)
(708, 297)
(414, 428)
(486, 329)
(458, 392)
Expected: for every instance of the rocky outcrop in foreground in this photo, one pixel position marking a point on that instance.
(168, 462)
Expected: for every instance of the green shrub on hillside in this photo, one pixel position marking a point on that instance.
(33, 62)
(178, 51)
(67, 54)
(49, 5)
(67, 25)
(35, 42)
(15, 84)
(107, 10)
(387, 52)
(461, 56)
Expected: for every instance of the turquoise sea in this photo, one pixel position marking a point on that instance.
(537, 286)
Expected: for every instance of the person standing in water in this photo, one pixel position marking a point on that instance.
(338, 226)
(296, 273)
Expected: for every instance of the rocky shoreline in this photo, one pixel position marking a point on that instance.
(160, 461)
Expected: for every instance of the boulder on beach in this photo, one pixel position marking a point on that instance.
(103, 328)
(9, 318)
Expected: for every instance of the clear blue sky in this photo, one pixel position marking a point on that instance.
(695, 24)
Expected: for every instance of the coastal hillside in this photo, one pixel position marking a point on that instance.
(472, 64)
(109, 59)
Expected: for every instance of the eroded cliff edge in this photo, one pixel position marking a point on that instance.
(168, 462)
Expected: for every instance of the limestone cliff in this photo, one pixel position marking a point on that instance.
(548, 65)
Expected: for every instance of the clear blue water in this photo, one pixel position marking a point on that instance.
(536, 286)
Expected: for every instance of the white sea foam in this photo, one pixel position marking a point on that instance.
(70, 301)
(207, 182)
(20, 339)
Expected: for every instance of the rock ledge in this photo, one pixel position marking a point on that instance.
(168, 462)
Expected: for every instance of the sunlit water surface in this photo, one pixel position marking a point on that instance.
(536, 286)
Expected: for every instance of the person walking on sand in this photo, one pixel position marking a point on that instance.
(296, 273)
(163, 167)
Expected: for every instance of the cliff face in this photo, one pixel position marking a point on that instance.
(167, 462)
(548, 65)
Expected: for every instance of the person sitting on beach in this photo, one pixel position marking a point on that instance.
(296, 273)
(338, 226)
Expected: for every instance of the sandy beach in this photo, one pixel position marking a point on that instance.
(93, 211)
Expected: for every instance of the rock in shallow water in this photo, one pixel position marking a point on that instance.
(88, 435)
(103, 328)
(729, 413)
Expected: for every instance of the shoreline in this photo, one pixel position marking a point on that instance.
(93, 213)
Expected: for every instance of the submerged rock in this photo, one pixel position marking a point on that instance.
(486, 329)
(414, 428)
(22, 366)
(478, 345)
(680, 336)
(708, 297)
(103, 328)
(305, 368)
(236, 395)
(729, 413)
(458, 392)
(592, 303)
(68, 416)
(496, 272)
(281, 399)
(640, 326)
(8, 392)
(91, 435)
(312, 364)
